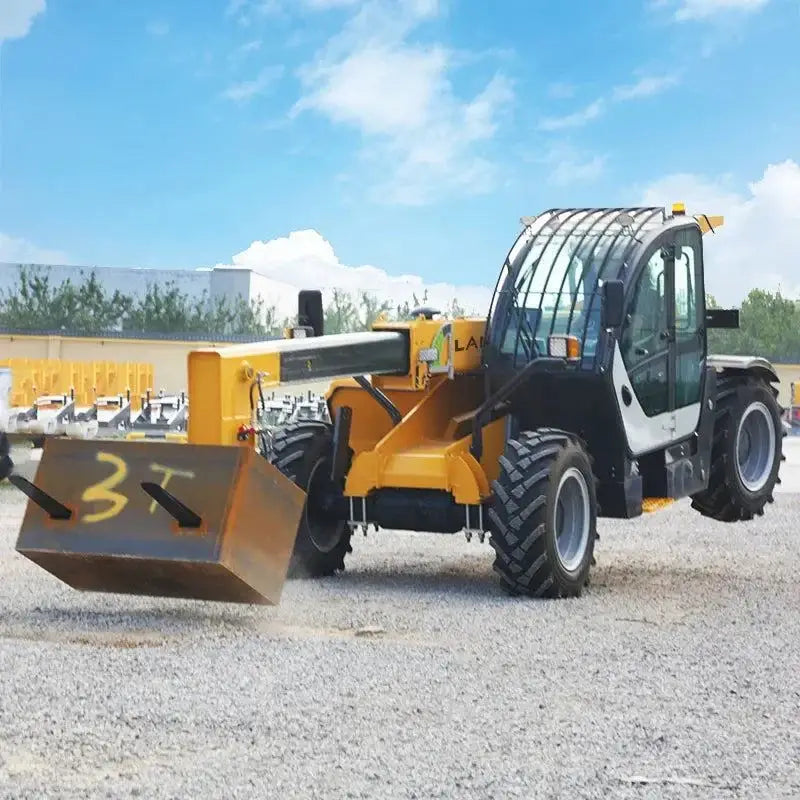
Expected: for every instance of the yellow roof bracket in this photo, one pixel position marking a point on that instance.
(709, 223)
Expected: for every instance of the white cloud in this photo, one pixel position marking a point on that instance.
(249, 47)
(246, 12)
(420, 137)
(572, 170)
(305, 260)
(357, 90)
(14, 250)
(756, 248)
(561, 90)
(567, 165)
(645, 87)
(247, 90)
(576, 119)
(415, 8)
(759, 243)
(17, 16)
(705, 9)
(240, 54)
(325, 4)
(158, 28)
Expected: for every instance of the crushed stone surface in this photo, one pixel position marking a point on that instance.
(412, 675)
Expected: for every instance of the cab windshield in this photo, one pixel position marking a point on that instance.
(552, 284)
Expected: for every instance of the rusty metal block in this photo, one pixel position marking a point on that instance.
(161, 519)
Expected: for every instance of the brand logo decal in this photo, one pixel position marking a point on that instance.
(471, 344)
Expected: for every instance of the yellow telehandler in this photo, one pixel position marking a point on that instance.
(586, 392)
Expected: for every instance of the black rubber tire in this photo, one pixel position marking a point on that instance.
(296, 450)
(727, 499)
(522, 519)
(6, 464)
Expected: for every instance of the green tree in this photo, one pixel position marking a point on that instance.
(769, 326)
(455, 309)
(163, 310)
(37, 304)
(256, 317)
(92, 309)
(452, 310)
(406, 307)
(341, 314)
(240, 317)
(371, 309)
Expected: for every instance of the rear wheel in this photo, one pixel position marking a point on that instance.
(747, 450)
(302, 452)
(543, 521)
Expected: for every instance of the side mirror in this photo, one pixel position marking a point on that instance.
(612, 313)
(309, 311)
(722, 318)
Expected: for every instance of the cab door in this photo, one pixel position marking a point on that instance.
(687, 328)
(658, 366)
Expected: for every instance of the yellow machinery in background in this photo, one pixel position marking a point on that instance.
(586, 391)
(85, 380)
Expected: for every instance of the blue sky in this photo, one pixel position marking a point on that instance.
(410, 134)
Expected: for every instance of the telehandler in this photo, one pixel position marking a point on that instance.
(586, 392)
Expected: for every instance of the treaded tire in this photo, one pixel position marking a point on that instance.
(522, 519)
(727, 499)
(297, 450)
(6, 464)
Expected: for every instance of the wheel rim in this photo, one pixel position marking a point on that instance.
(573, 519)
(324, 533)
(755, 447)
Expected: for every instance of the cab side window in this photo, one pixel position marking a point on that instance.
(689, 319)
(644, 346)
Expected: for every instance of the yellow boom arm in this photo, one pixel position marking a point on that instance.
(224, 384)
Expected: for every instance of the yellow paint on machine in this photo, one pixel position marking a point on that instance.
(221, 386)
(652, 504)
(212, 519)
(429, 448)
(87, 380)
(167, 436)
(458, 344)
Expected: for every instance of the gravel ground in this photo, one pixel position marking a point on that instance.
(677, 675)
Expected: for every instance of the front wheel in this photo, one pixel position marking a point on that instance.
(746, 453)
(302, 452)
(543, 521)
(6, 464)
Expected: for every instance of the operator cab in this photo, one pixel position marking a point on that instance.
(633, 385)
